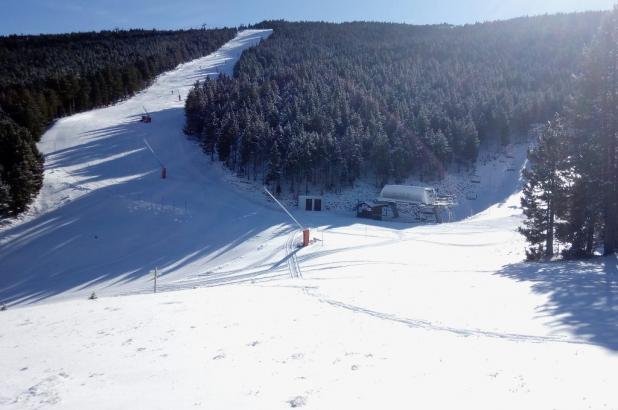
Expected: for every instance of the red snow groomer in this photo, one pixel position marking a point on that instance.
(146, 117)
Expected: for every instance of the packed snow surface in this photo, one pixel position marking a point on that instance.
(370, 315)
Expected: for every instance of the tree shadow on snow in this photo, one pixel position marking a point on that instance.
(127, 220)
(583, 296)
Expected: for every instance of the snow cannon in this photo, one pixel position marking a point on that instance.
(305, 237)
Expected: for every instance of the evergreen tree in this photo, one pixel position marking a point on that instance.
(380, 156)
(607, 60)
(274, 164)
(21, 167)
(584, 197)
(505, 130)
(591, 213)
(5, 196)
(543, 191)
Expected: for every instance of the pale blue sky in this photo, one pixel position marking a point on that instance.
(54, 16)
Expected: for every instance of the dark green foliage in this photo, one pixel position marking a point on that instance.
(387, 99)
(543, 193)
(604, 56)
(5, 196)
(274, 164)
(21, 167)
(589, 205)
(49, 76)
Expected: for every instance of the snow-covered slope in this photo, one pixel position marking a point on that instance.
(431, 317)
(105, 218)
(371, 315)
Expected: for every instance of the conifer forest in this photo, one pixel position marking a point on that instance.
(571, 192)
(44, 77)
(322, 104)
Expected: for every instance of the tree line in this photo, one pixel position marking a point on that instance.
(43, 77)
(571, 190)
(321, 104)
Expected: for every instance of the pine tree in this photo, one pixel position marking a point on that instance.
(5, 196)
(584, 197)
(505, 129)
(581, 218)
(211, 133)
(380, 156)
(593, 198)
(608, 107)
(274, 164)
(470, 140)
(193, 109)
(543, 191)
(21, 167)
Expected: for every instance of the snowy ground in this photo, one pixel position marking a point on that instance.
(371, 315)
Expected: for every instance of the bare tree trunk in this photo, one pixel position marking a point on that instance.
(549, 240)
(590, 236)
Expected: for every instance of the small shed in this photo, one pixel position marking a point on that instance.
(310, 203)
(371, 210)
(408, 194)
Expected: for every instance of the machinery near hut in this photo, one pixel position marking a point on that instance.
(373, 210)
(422, 203)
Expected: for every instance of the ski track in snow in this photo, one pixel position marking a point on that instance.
(427, 325)
(296, 272)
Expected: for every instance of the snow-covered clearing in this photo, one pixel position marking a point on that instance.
(371, 315)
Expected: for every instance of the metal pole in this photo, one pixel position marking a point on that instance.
(284, 209)
(153, 153)
(155, 280)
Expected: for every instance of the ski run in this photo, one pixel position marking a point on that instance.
(370, 315)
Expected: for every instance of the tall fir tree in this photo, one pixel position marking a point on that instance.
(592, 200)
(5, 195)
(543, 192)
(607, 43)
(274, 164)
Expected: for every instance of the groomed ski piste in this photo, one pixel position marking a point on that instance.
(370, 315)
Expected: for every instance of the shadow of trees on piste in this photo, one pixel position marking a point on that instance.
(113, 219)
(117, 219)
(583, 296)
